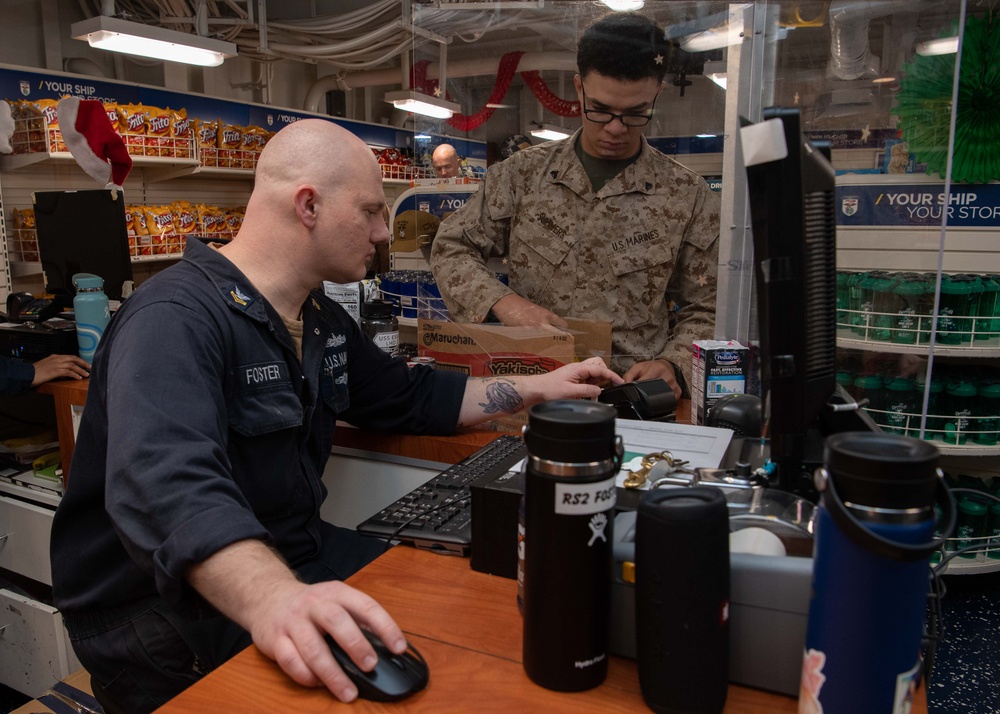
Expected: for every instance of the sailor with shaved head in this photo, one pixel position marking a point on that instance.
(191, 524)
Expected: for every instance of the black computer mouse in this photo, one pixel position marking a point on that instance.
(395, 676)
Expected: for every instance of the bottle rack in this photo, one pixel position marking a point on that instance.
(985, 559)
(960, 441)
(866, 330)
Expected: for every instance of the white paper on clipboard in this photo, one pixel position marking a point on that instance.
(700, 446)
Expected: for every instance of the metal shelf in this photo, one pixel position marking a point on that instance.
(13, 162)
(972, 350)
(199, 171)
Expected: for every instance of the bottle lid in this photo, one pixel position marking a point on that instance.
(882, 470)
(911, 286)
(571, 431)
(868, 381)
(956, 285)
(376, 309)
(962, 389)
(936, 384)
(991, 390)
(899, 384)
(971, 507)
(82, 281)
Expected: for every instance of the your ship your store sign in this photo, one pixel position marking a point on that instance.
(918, 205)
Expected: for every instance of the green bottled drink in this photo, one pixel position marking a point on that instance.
(910, 290)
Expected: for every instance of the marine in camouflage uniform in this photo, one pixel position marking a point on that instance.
(645, 243)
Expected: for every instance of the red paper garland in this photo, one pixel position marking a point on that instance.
(505, 75)
(556, 105)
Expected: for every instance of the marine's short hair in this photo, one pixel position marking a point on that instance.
(624, 46)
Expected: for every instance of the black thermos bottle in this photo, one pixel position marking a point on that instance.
(569, 499)
(682, 599)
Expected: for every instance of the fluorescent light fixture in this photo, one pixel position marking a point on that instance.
(943, 46)
(884, 80)
(422, 136)
(550, 132)
(624, 5)
(133, 38)
(714, 38)
(705, 136)
(410, 101)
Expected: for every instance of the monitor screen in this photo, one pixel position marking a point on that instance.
(792, 185)
(82, 232)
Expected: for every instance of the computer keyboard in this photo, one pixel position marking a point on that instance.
(438, 515)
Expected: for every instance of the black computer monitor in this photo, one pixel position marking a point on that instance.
(791, 185)
(82, 232)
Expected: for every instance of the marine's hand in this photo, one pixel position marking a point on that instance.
(579, 380)
(653, 369)
(290, 631)
(515, 311)
(57, 366)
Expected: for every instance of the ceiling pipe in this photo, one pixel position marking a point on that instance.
(531, 61)
(850, 55)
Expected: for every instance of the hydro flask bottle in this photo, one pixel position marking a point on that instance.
(874, 538)
(569, 498)
(92, 313)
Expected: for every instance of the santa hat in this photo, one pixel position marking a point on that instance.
(95, 145)
(6, 128)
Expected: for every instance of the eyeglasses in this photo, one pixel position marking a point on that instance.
(599, 116)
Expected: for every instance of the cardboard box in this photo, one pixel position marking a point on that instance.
(495, 350)
(718, 368)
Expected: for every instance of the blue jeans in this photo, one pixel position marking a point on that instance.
(143, 654)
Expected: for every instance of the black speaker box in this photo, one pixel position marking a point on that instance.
(682, 599)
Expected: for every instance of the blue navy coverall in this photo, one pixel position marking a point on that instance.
(15, 375)
(202, 428)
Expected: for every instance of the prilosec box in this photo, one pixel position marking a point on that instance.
(718, 368)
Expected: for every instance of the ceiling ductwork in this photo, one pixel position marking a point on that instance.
(486, 66)
(850, 50)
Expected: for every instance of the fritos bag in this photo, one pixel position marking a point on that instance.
(132, 120)
(207, 135)
(159, 127)
(230, 144)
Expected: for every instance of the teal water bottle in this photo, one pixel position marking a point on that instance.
(92, 312)
(883, 313)
(993, 530)
(909, 293)
(856, 313)
(989, 305)
(870, 387)
(954, 322)
(935, 407)
(960, 407)
(900, 406)
(843, 298)
(988, 423)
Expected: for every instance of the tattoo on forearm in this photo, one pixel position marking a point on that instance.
(501, 396)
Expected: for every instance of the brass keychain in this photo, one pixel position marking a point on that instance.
(638, 478)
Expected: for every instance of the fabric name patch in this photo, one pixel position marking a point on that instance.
(255, 376)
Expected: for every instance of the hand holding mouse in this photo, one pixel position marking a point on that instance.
(288, 619)
(305, 616)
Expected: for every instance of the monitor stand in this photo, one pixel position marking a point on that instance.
(841, 415)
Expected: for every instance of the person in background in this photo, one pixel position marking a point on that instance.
(445, 161)
(191, 525)
(16, 376)
(598, 226)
